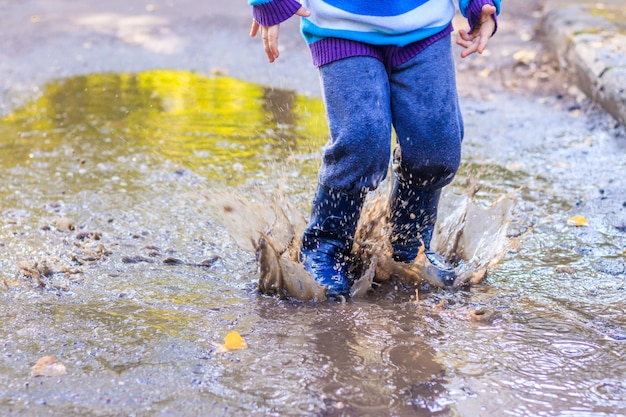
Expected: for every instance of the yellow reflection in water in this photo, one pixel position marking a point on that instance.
(221, 127)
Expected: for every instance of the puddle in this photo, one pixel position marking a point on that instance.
(116, 263)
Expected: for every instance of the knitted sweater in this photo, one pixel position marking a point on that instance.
(393, 31)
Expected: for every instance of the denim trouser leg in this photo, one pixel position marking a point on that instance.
(356, 96)
(427, 118)
(363, 99)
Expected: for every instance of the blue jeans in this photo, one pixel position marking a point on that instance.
(364, 100)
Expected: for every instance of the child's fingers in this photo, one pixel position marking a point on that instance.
(470, 46)
(270, 42)
(477, 40)
(465, 43)
(254, 29)
(267, 47)
(468, 37)
(483, 37)
(482, 44)
(488, 9)
(303, 12)
(468, 51)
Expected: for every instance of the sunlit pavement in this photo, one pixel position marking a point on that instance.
(589, 39)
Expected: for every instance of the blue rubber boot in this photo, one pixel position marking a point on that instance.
(327, 241)
(413, 217)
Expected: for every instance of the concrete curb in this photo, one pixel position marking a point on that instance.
(590, 49)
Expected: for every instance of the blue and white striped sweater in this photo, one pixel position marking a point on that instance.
(375, 22)
(405, 22)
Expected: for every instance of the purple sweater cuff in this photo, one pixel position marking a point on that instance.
(473, 14)
(275, 12)
(328, 50)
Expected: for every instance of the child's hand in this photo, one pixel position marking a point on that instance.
(269, 34)
(476, 40)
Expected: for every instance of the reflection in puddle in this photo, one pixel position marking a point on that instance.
(107, 127)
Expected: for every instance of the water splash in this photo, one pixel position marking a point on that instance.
(473, 237)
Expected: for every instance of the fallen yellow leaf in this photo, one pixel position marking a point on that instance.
(525, 56)
(484, 73)
(48, 366)
(234, 341)
(577, 221)
(515, 166)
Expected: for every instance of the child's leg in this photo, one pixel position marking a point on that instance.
(429, 126)
(427, 117)
(356, 95)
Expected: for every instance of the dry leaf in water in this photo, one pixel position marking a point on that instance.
(484, 315)
(574, 113)
(63, 224)
(577, 221)
(232, 341)
(565, 269)
(48, 366)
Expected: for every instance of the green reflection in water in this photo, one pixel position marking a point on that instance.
(131, 321)
(86, 130)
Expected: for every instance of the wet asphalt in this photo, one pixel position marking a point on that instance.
(514, 95)
(45, 40)
(521, 111)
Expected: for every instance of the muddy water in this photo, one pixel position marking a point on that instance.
(114, 263)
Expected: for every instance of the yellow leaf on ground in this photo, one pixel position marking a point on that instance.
(565, 269)
(577, 221)
(525, 56)
(234, 341)
(48, 366)
(484, 73)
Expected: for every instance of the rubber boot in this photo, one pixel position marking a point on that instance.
(328, 239)
(413, 217)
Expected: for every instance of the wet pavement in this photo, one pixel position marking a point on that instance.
(589, 39)
(43, 40)
(120, 123)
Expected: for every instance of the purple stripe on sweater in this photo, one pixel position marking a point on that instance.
(405, 54)
(275, 12)
(328, 50)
